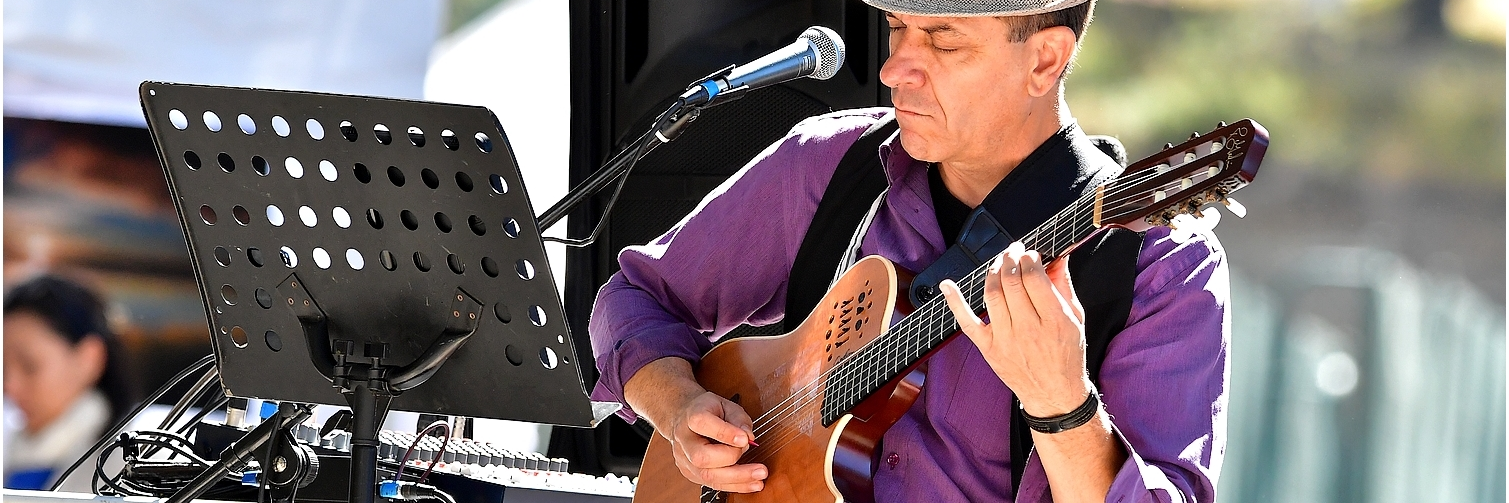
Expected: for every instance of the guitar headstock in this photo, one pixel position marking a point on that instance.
(1183, 178)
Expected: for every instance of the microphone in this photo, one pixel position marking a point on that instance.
(817, 53)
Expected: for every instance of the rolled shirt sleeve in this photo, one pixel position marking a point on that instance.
(725, 264)
(1164, 378)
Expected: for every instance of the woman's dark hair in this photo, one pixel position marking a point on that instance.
(75, 312)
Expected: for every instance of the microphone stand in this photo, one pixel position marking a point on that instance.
(668, 126)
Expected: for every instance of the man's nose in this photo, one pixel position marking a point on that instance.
(903, 68)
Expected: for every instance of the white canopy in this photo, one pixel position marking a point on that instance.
(82, 60)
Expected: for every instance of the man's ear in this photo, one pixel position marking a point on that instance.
(1052, 49)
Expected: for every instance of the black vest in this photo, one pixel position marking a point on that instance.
(1069, 163)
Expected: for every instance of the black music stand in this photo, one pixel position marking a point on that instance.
(348, 249)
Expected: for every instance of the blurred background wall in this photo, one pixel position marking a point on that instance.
(1368, 340)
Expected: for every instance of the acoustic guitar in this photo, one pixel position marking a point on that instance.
(823, 395)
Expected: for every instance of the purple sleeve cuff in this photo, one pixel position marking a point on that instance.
(651, 341)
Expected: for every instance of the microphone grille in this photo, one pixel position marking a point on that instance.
(830, 51)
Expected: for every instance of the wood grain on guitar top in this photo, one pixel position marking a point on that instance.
(778, 380)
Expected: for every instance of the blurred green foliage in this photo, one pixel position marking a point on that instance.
(464, 11)
(1346, 88)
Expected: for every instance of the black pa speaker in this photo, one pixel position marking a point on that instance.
(629, 60)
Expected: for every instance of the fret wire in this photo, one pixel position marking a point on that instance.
(914, 335)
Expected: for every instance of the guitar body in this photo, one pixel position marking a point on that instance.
(808, 462)
(780, 380)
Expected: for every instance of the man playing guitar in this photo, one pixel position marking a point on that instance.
(977, 87)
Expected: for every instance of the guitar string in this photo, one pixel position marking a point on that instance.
(913, 347)
(930, 312)
(940, 320)
(931, 315)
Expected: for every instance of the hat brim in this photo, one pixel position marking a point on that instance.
(972, 8)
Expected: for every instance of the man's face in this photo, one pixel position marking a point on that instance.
(958, 85)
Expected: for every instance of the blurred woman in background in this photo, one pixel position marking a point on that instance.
(64, 370)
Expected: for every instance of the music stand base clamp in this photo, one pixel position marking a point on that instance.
(236, 456)
(369, 387)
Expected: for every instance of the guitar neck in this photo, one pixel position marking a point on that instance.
(1176, 180)
(933, 323)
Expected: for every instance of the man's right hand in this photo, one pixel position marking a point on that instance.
(708, 433)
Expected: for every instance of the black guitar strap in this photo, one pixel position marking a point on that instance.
(856, 183)
(1103, 270)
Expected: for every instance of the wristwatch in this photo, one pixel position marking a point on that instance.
(1067, 421)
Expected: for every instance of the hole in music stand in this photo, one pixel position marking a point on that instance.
(382, 134)
(191, 159)
(211, 121)
(410, 222)
(315, 129)
(238, 337)
(395, 175)
(548, 358)
(443, 222)
(264, 299)
(537, 316)
(388, 262)
(294, 167)
(431, 180)
(260, 165)
(416, 136)
(248, 125)
(421, 262)
(181, 122)
(464, 181)
(280, 126)
(448, 138)
(348, 131)
(478, 227)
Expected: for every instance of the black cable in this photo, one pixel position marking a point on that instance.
(126, 420)
(124, 486)
(203, 411)
(267, 459)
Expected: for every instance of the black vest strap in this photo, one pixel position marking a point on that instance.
(1103, 270)
(857, 181)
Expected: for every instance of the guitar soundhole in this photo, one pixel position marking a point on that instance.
(849, 316)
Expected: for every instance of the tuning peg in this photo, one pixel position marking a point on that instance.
(1168, 146)
(1221, 124)
(1194, 135)
(1235, 207)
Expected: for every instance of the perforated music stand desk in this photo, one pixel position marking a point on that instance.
(402, 219)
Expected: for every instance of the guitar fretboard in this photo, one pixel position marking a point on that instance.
(872, 366)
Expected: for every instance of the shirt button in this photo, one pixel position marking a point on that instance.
(893, 459)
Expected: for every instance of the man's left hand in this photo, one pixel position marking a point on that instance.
(1035, 339)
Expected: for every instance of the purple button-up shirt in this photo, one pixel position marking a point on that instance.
(727, 263)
